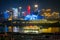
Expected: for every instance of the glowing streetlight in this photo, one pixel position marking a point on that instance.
(36, 6)
(36, 9)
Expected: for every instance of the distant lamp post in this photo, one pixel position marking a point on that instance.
(36, 9)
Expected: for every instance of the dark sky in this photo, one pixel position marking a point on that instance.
(8, 4)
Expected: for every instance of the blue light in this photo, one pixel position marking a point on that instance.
(33, 17)
(6, 15)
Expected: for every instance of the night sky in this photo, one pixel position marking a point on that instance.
(8, 4)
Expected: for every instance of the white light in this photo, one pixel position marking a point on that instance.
(36, 5)
(20, 7)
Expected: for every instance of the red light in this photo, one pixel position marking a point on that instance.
(28, 9)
